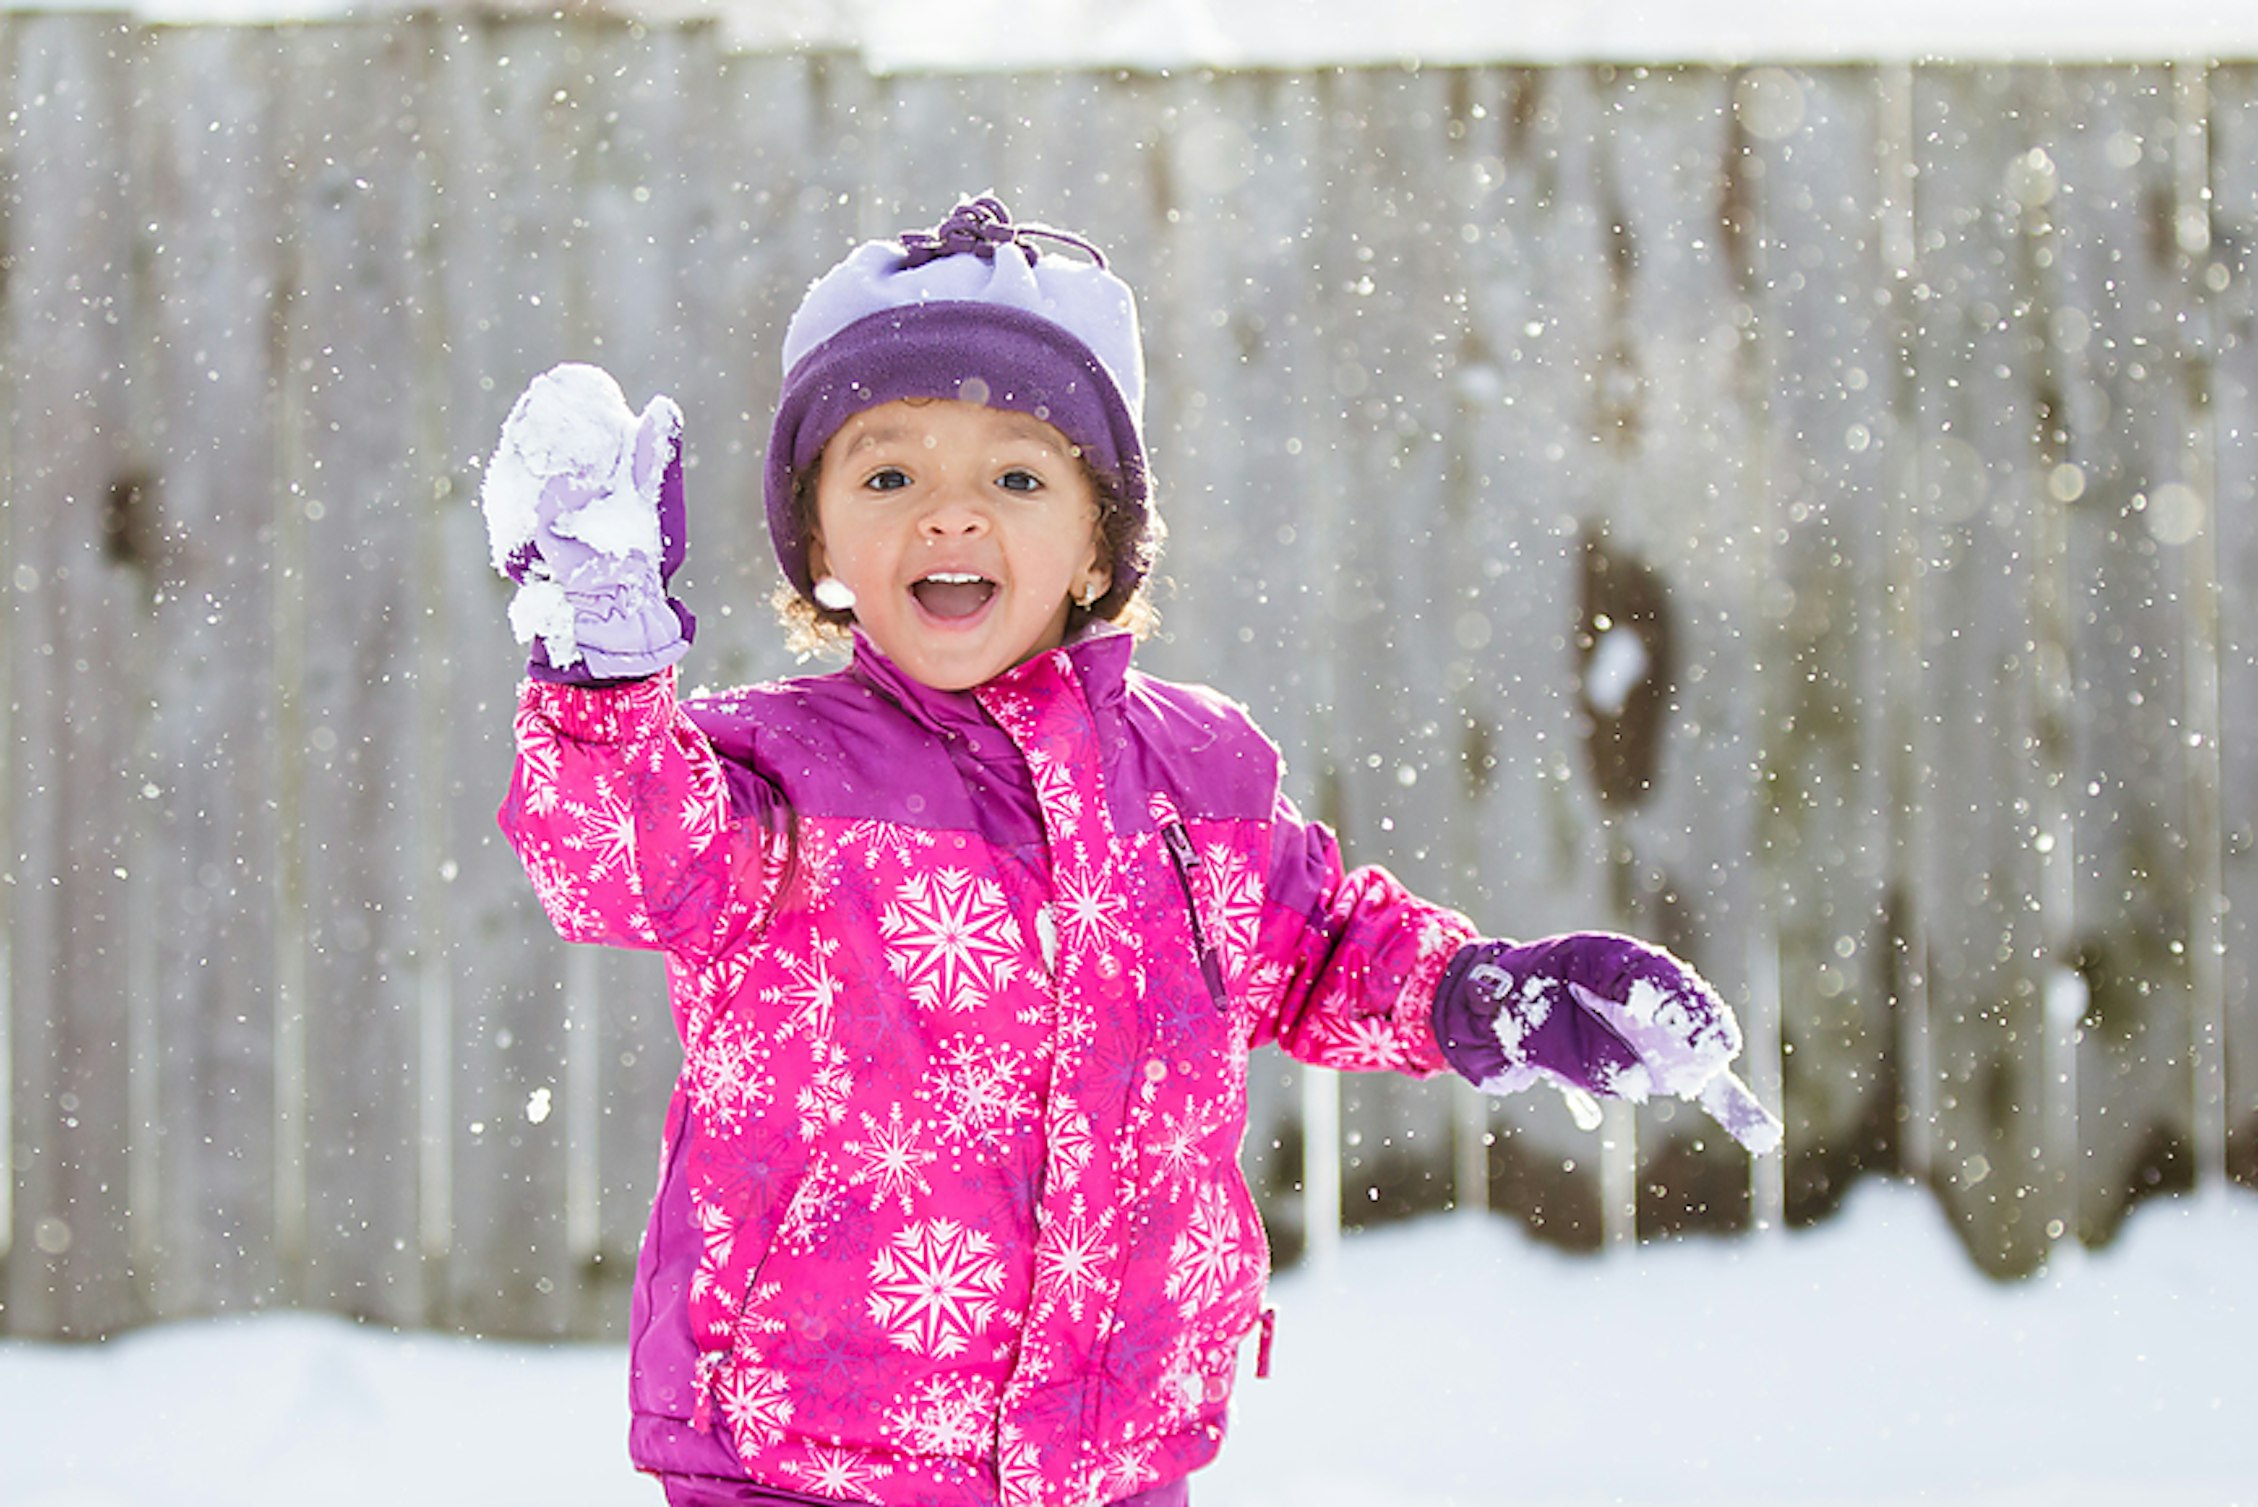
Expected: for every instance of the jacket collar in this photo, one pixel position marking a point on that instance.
(1099, 654)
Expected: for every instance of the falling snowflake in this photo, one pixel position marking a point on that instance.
(951, 939)
(934, 1288)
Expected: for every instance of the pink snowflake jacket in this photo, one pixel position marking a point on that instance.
(951, 1209)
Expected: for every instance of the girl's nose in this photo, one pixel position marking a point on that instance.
(954, 514)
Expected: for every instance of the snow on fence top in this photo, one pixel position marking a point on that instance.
(907, 36)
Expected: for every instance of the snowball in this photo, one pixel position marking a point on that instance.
(572, 431)
(541, 610)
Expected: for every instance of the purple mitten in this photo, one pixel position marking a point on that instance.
(1595, 1013)
(584, 511)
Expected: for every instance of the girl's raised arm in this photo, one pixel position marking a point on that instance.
(618, 807)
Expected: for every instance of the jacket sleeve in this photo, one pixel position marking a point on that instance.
(629, 827)
(1349, 958)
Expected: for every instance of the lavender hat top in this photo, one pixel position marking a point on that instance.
(971, 311)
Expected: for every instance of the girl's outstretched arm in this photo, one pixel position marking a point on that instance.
(1349, 958)
(1375, 977)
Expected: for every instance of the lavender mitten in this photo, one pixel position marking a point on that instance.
(584, 511)
(1594, 1013)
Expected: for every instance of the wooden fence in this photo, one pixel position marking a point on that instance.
(1805, 516)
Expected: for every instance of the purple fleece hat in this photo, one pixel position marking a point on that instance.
(968, 311)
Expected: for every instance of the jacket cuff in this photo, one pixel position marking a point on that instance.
(1465, 1019)
(602, 712)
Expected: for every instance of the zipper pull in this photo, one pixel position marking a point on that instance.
(1179, 845)
(1262, 1350)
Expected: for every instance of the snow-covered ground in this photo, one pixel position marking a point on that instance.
(1445, 1362)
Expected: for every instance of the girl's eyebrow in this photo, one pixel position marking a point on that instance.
(876, 434)
(1025, 426)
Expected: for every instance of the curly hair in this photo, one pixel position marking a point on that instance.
(1132, 538)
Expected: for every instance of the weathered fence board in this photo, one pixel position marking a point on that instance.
(1679, 509)
(80, 571)
(353, 516)
(1989, 571)
(1832, 434)
(2230, 276)
(523, 107)
(211, 191)
(1628, 496)
(1525, 392)
(1379, 483)
(2111, 281)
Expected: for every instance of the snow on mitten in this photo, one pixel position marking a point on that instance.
(1594, 1013)
(584, 511)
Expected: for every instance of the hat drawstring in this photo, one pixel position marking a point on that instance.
(976, 227)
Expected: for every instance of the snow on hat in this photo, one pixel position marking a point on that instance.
(969, 311)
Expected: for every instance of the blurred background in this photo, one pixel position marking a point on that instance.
(1782, 485)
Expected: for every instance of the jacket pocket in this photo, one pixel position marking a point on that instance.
(1186, 863)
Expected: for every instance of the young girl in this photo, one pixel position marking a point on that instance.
(969, 941)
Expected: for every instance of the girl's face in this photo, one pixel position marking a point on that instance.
(963, 532)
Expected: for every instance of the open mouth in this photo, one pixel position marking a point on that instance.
(951, 594)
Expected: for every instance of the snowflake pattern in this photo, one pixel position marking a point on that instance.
(1178, 1150)
(756, 1402)
(981, 1092)
(933, 1289)
(943, 1416)
(728, 1074)
(833, 1470)
(892, 1160)
(1088, 909)
(603, 829)
(822, 1100)
(815, 1203)
(1072, 1259)
(1206, 1259)
(951, 940)
(1231, 902)
(808, 994)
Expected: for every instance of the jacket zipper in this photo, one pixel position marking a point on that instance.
(1179, 845)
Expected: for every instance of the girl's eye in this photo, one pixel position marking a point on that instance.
(1016, 480)
(887, 479)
